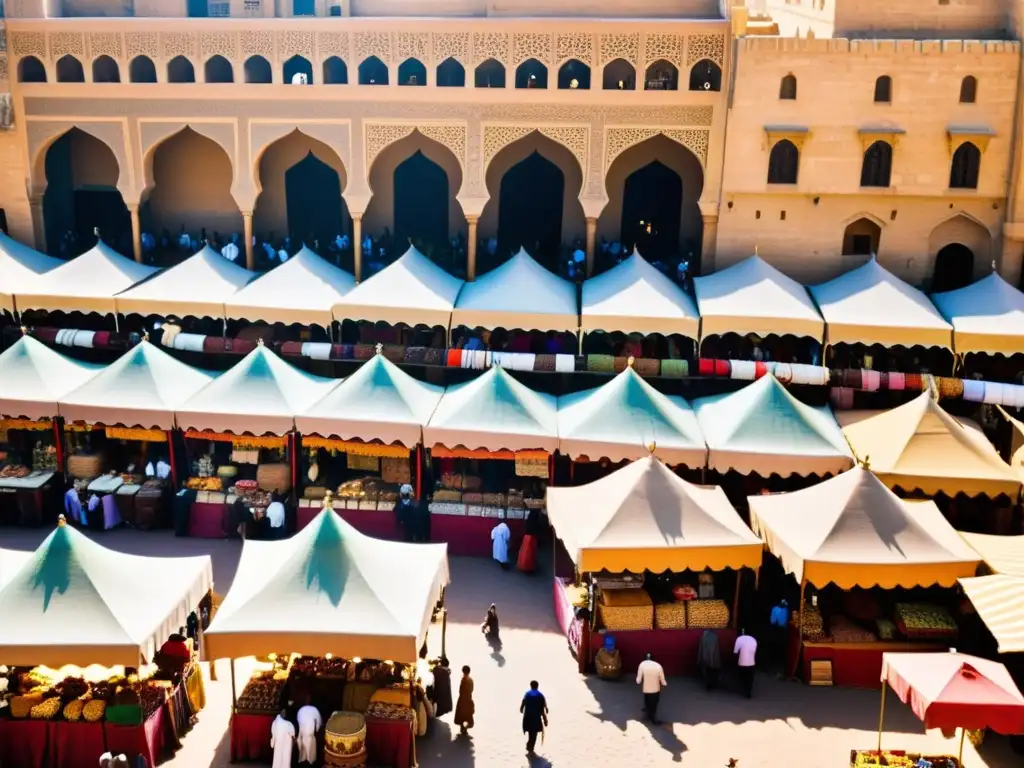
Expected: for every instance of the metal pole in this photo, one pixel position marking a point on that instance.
(963, 732)
(736, 600)
(881, 717)
(803, 585)
(444, 632)
(234, 697)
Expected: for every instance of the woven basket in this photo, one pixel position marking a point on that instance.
(274, 477)
(608, 664)
(85, 467)
(332, 760)
(345, 734)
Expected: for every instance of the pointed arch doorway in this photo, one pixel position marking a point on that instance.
(421, 203)
(530, 209)
(651, 211)
(314, 205)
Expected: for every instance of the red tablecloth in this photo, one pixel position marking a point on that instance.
(152, 739)
(571, 627)
(207, 521)
(674, 649)
(389, 742)
(23, 743)
(76, 745)
(379, 524)
(471, 536)
(250, 738)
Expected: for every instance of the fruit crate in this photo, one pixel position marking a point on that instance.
(898, 758)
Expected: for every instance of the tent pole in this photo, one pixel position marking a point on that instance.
(419, 473)
(803, 586)
(174, 464)
(234, 696)
(881, 718)
(736, 600)
(444, 632)
(963, 732)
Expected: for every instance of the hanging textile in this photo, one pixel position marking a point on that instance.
(35, 426)
(240, 441)
(531, 467)
(355, 447)
(145, 435)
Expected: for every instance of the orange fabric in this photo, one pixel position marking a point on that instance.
(271, 441)
(356, 447)
(440, 452)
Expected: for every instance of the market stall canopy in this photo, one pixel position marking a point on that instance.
(1002, 554)
(494, 412)
(954, 690)
(302, 290)
(19, 265)
(987, 316)
(380, 401)
(518, 294)
(260, 394)
(763, 429)
(645, 517)
(870, 305)
(412, 290)
(142, 388)
(754, 297)
(33, 377)
(636, 297)
(920, 447)
(197, 287)
(11, 561)
(76, 602)
(627, 417)
(87, 283)
(999, 602)
(330, 590)
(852, 531)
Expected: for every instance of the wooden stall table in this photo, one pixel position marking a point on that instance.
(209, 517)
(151, 506)
(125, 497)
(23, 500)
(470, 535)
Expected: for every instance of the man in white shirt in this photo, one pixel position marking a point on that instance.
(163, 469)
(282, 741)
(746, 654)
(309, 723)
(500, 536)
(650, 676)
(230, 252)
(275, 518)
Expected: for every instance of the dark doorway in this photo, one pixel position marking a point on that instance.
(99, 208)
(652, 202)
(954, 268)
(421, 203)
(530, 208)
(316, 210)
(3, 222)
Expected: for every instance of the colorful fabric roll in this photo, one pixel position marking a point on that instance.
(364, 351)
(783, 372)
(568, 363)
(870, 380)
(434, 356)
(46, 334)
(675, 369)
(974, 390)
(993, 393)
(647, 366)
(600, 363)
(1014, 396)
(544, 363)
(914, 382)
(214, 344)
(579, 363)
(835, 377)
(454, 359)
(950, 387)
(291, 349)
(760, 369)
(705, 367)
(814, 375)
(466, 358)
(897, 382)
(414, 355)
(852, 378)
(883, 380)
(394, 352)
(841, 398)
(723, 368)
(102, 339)
(744, 370)
(620, 364)
(344, 351)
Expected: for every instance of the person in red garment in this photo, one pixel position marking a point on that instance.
(527, 562)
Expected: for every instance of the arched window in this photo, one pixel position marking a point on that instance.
(142, 70)
(705, 75)
(298, 71)
(787, 88)
(883, 90)
(69, 70)
(412, 72)
(619, 75)
(31, 70)
(861, 238)
(335, 71)
(783, 163)
(963, 172)
(661, 75)
(876, 170)
(373, 72)
(531, 74)
(451, 74)
(968, 90)
(489, 74)
(105, 70)
(257, 70)
(180, 70)
(218, 70)
(574, 74)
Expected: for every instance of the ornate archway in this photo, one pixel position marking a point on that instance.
(961, 251)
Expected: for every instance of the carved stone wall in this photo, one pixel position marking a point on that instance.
(41, 134)
(379, 135)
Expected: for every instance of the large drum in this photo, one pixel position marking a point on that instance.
(345, 740)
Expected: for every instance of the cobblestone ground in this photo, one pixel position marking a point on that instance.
(593, 723)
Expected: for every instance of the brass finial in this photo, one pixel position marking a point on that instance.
(866, 462)
(378, 347)
(629, 361)
(651, 446)
(61, 521)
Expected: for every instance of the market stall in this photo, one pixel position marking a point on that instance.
(656, 556)
(359, 626)
(130, 407)
(877, 554)
(491, 441)
(998, 596)
(19, 266)
(196, 287)
(628, 419)
(948, 691)
(239, 430)
(364, 439)
(32, 378)
(987, 316)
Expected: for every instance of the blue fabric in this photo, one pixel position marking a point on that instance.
(609, 643)
(780, 616)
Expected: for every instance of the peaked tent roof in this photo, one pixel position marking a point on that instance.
(259, 394)
(33, 378)
(518, 294)
(622, 418)
(302, 290)
(496, 413)
(412, 290)
(987, 316)
(19, 265)
(870, 305)
(645, 517)
(87, 283)
(1002, 554)
(752, 296)
(380, 401)
(141, 388)
(11, 561)
(76, 602)
(999, 601)
(197, 287)
(762, 429)
(330, 590)
(635, 297)
(852, 531)
(918, 446)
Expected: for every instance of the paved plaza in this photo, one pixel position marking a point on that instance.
(593, 723)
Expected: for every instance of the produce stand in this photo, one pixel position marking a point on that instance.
(624, 530)
(850, 533)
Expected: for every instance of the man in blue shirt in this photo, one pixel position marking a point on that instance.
(535, 715)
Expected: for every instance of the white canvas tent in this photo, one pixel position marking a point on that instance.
(987, 316)
(33, 378)
(19, 265)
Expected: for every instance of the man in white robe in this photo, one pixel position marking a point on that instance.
(499, 543)
(230, 251)
(282, 741)
(309, 723)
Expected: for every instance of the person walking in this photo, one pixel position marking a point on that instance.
(650, 676)
(500, 536)
(282, 740)
(535, 715)
(464, 707)
(709, 658)
(745, 650)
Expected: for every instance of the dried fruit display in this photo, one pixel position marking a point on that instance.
(21, 706)
(707, 614)
(924, 621)
(48, 710)
(15, 471)
(73, 710)
(621, 610)
(844, 630)
(261, 694)
(670, 616)
(151, 698)
(813, 626)
(93, 710)
(71, 688)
